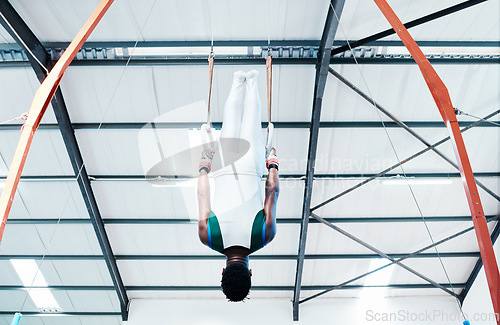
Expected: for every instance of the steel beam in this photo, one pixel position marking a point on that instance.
(443, 101)
(324, 57)
(279, 125)
(405, 127)
(234, 60)
(218, 125)
(281, 220)
(263, 43)
(97, 178)
(477, 267)
(280, 257)
(288, 177)
(64, 313)
(410, 24)
(392, 59)
(384, 172)
(252, 43)
(217, 288)
(41, 63)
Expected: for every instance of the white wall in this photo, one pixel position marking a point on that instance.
(403, 310)
(478, 304)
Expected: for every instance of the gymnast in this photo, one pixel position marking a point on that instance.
(238, 223)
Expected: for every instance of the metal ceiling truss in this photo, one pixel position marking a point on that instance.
(18, 30)
(444, 104)
(310, 170)
(363, 183)
(403, 161)
(382, 254)
(405, 127)
(322, 66)
(412, 255)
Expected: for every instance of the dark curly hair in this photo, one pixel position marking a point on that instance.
(236, 282)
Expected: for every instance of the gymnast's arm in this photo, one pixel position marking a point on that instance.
(203, 205)
(272, 192)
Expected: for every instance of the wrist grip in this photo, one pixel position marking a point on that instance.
(272, 161)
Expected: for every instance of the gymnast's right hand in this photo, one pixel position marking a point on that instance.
(208, 141)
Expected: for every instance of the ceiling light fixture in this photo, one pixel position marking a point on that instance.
(401, 180)
(183, 51)
(170, 183)
(31, 276)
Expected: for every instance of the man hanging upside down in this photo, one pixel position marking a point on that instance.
(238, 224)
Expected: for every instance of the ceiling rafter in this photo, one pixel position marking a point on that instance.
(322, 66)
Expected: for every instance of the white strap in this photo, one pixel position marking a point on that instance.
(269, 139)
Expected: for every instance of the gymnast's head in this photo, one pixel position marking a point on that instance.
(236, 281)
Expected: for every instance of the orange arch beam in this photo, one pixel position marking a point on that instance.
(443, 101)
(39, 105)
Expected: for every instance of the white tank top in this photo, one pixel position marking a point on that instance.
(237, 201)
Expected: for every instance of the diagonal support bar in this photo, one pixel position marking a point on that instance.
(382, 254)
(410, 24)
(404, 161)
(418, 252)
(324, 56)
(443, 101)
(404, 126)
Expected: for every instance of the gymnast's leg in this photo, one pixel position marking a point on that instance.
(251, 128)
(233, 109)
